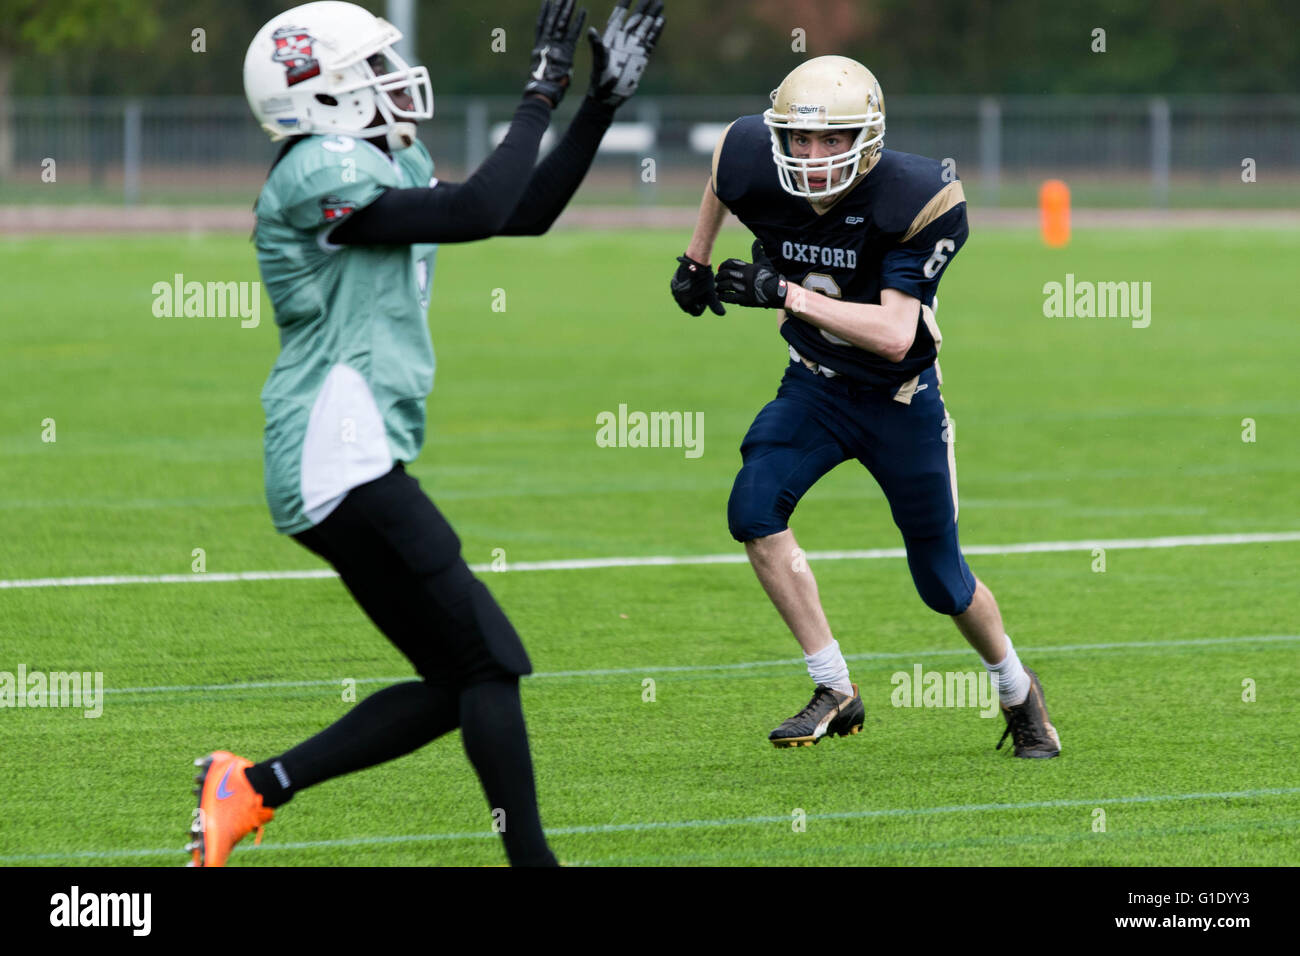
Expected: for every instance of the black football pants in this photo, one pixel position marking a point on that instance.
(401, 560)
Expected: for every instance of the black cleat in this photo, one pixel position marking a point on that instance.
(828, 713)
(1028, 725)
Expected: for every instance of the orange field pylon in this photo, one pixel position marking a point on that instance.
(1054, 211)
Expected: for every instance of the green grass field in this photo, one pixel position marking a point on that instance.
(1068, 430)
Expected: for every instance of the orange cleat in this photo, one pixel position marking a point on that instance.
(229, 809)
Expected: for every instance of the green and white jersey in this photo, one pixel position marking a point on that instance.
(346, 398)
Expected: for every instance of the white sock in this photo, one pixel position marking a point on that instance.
(1009, 677)
(827, 667)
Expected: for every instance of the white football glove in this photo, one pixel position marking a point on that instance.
(620, 56)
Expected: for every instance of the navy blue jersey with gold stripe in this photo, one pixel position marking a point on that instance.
(898, 228)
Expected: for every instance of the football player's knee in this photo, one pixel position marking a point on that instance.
(484, 645)
(940, 574)
(752, 510)
(500, 637)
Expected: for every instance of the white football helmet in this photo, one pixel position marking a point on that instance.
(827, 92)
(330, 67)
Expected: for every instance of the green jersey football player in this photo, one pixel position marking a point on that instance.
(347, 228)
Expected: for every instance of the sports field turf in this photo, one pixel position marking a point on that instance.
(1068, 430)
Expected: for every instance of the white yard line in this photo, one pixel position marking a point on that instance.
(651, 669)
(737, 557)
(644, 826)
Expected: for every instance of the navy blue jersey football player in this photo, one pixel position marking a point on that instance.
(852, 240)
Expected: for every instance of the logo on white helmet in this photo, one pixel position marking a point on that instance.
(293, 49)
(805, 112)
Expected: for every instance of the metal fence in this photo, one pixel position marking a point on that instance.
(1114, 151)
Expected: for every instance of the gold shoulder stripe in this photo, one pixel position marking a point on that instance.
(939, 203)
(717, 154)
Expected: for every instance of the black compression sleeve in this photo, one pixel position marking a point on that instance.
(558, 176)
(451, 212)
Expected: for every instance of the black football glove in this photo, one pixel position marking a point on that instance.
(619, 57)
(557, 38)
(692, 287)
(754, 283)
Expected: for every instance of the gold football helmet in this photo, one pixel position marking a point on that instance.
(827, 92)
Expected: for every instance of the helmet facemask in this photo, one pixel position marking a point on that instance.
(378, 76)
(793, 171)
(390, 74)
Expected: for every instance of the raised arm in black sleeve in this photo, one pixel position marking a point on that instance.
(558, 176)
(456, 212)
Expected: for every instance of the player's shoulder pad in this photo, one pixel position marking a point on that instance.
(324, 178)
(912, 192)
(417, 163)
(331, 153)
(745, 144)
(330, 164)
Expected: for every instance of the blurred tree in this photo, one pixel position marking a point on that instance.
(59, 30)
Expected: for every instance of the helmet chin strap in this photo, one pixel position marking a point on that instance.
(400, 136)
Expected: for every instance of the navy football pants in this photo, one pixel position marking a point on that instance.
(814, 424)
